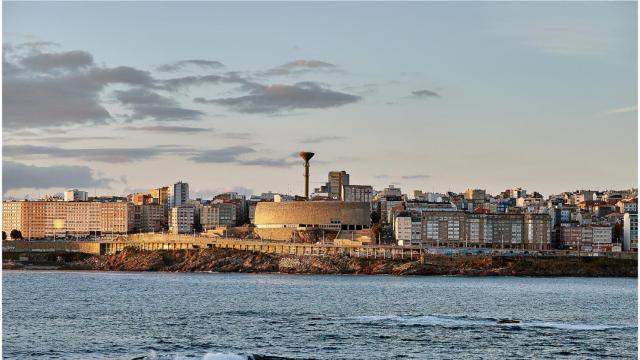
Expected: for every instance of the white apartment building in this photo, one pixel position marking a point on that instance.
(630, 232)
(628, 206)
(181, 219)
(602, 234)
(402, 230)
(357, 193)
(178, 194)
(75, 195)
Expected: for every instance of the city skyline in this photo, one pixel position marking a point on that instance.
(443, 97)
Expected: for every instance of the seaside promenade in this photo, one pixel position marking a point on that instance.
(151, 242)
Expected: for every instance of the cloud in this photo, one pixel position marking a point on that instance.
(622, 110)
(48, 89)
(223, 155)
(164, 113)
(140, 96)
(189, 81)
(167, 129)
(21, 176)
(382, 176)
(33, 132)
(179, 65)
(65, 139)
(424, 93)
(364, 89)
(320, 139)
(109, 155)
(37, 45)
(45, 89)
(235, 154)
(148, 104)
(236, 135)
(70, 60)
(120, 75)
(301, 66)
(415, 177)
(44, 102)
(276, 98)
(56, 89)
(269, 162)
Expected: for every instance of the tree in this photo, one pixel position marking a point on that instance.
(15, 234)
(375, 217)
(375, 233)
(617, 232)
(4, 235)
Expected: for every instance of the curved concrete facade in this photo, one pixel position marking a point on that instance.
(278, 220)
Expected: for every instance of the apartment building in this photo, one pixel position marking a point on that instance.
(630, 232)
(75, 195)
(181, 219)
(218, 215)
(149, 217)
(161, 194)
(39, 219)
(457, 229)
(178, 194)
(357, 193)
(337, 179)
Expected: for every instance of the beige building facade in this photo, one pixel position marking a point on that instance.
(460, 229)
(278, 221)
(40, 219)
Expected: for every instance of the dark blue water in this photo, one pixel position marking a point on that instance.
(87, 315)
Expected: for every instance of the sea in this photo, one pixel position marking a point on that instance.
(213, 316)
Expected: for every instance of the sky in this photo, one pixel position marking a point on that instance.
(116, 98)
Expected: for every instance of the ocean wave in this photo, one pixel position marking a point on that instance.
(456, 321)
(592, 327)
(223, 356)
(212, 356)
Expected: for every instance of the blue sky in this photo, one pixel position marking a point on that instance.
(431, 96)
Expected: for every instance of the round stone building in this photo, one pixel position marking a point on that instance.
(278, 220)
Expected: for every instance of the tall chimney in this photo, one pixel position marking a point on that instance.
(306, 156)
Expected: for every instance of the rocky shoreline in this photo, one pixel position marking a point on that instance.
(228, 260)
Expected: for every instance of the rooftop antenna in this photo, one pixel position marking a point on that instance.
(306, 156)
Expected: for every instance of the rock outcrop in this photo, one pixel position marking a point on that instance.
(227, 260)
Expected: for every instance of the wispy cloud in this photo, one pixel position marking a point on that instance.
(424, 93)
(621, 110)
(321, 139)
(167, 129)
(108, 155)
(235, 135)
(63, 139)
(298, 67)
(415, 177)
(182, 64)
(277, 98)
(148, 104)
(223, 155)
(237, 155)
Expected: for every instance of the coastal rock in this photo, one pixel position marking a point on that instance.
(229, 260)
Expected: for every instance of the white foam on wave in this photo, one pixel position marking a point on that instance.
(223, 356)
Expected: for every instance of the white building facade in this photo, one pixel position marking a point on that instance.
(181, 220)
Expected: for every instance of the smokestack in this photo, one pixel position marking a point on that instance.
(306, 156)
